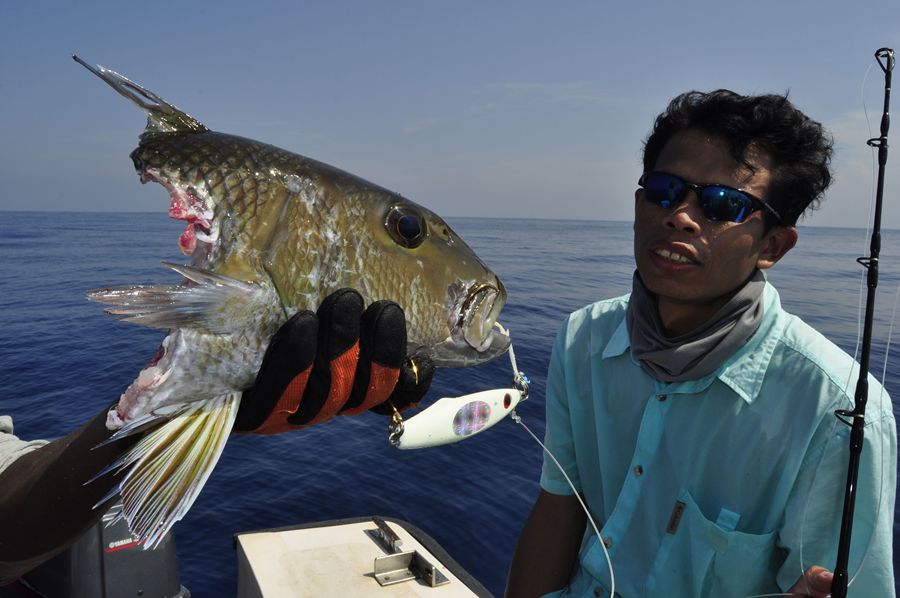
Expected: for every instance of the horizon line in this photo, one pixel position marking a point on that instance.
(557, 219)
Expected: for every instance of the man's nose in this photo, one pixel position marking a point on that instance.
(686, 216)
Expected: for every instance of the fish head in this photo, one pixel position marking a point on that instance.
(451, 298)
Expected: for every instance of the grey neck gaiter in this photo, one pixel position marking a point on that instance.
(700, 352)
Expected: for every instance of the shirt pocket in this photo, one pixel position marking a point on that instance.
(699, 557)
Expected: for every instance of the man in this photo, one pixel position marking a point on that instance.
(696, 416)
(46, 502)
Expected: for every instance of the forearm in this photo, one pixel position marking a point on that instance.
(44, 502)
(548, 546)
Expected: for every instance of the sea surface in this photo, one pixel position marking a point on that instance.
(62, 360)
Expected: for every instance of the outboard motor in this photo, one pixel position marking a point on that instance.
(107, 562)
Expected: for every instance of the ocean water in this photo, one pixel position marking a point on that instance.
(62, 360)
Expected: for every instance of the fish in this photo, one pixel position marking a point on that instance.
(269, 233)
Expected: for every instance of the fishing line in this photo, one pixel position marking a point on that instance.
(855, 418)
(519, 377)
(847, 385)
(612, 577)
(872, 207)
(862, 273)
(859, 334)
(881, 470)
(887, 349)
(859, 321)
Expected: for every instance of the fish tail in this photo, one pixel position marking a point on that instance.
(162, 117)
(168, 467)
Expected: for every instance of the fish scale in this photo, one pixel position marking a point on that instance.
(269, 233)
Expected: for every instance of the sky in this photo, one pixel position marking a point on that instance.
(473, 109)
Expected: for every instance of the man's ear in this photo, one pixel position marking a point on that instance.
(775, 244)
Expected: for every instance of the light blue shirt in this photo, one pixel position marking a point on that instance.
(731, 485)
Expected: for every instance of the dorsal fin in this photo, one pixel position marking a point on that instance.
(162, 117)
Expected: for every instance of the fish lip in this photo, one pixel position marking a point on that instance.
(474, 336)
(450, 354)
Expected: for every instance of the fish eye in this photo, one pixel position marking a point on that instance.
(406, 226)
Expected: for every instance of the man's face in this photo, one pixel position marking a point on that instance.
(692, 264)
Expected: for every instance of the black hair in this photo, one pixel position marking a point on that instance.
(799, 147)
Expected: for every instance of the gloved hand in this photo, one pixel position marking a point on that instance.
(340, 360)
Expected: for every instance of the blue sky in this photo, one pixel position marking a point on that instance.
(496, 109)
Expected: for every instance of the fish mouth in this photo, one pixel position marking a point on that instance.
(188, 204)
(474, 334)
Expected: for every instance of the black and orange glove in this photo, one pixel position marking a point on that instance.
(342, 360)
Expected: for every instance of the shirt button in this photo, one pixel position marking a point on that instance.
(661, 398)
(638, 470)
(607, 542)
(598, 592)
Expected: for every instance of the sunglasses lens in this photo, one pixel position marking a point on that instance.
(719, 203)
(725, 204)
(663, 189)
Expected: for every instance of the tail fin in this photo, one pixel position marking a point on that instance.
(162, 117)
(168, 468)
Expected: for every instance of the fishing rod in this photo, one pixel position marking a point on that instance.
(885, 59)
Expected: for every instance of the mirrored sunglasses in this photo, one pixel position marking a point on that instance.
(719, 203)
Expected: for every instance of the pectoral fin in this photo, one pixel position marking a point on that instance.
(168, 468)
(207, 301)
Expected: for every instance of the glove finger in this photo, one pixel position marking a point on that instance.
(382, 346)
(416, 374)
(281, 379)
(331, 380)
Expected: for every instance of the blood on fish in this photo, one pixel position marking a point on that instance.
(183, 207)
(159, 355)
(178, 209)
(188, 240)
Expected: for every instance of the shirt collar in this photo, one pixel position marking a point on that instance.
(744, 371)
(619, 341)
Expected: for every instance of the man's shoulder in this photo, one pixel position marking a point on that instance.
(594, 324)
(799, 340)
(811, 354)
(610, 310)
(801, 337)
(808, 344)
